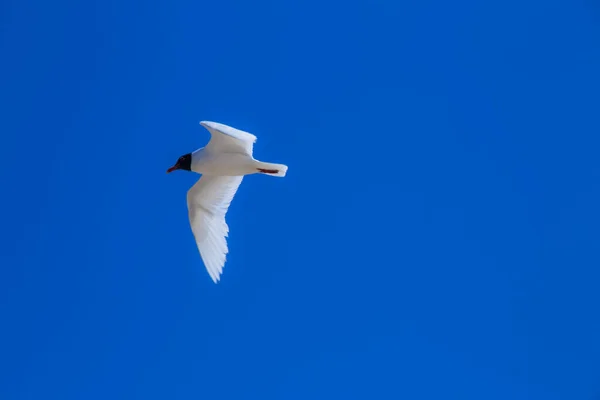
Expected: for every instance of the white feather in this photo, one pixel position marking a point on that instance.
(208, 201)
(225, 139)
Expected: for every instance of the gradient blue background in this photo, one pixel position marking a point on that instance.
(436, 237)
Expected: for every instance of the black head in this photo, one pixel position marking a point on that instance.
(184, 162)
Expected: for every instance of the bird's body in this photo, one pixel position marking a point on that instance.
(223, 163)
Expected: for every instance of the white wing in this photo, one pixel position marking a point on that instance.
(225, 139)
(208, 201)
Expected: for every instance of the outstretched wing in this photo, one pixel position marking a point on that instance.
(208, 201)
(225, 139)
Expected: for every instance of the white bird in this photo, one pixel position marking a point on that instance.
(223, 163)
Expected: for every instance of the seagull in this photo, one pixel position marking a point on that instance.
(223, 163)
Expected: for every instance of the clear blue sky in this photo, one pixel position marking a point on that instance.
(437, 235)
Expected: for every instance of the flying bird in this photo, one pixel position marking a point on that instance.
(223, 163)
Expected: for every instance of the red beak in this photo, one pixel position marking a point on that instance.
(173, 168)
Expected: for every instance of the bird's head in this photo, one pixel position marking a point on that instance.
(184, 162)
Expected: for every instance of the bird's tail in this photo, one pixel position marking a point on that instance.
(271, 169)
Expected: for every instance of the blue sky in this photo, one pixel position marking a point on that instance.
(436, 236)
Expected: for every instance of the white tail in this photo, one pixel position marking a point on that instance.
(271, 169)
